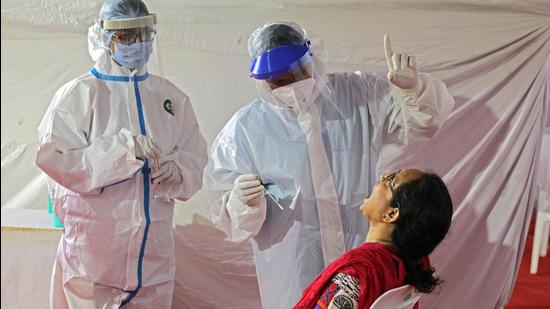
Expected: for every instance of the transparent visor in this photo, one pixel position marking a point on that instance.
(298, 71)
(132, 42)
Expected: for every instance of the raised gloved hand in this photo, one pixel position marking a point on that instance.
(168, 173)
(402, 68)
(146, 149)
(248, 189)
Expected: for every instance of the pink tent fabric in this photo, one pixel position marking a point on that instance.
(212, 272)
(487, 153)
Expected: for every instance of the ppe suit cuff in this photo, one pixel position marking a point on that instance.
(246, 218)
(413, 92)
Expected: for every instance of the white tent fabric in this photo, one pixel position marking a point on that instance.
(492, 54)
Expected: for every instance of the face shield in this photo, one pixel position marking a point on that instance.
(130, 43)
(287, 75)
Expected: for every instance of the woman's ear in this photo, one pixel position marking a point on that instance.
(391, 215)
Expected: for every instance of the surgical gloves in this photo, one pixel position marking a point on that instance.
(248, 190)
(402, 68)
(168, 173)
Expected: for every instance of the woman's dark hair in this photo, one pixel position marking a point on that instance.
(425, 212)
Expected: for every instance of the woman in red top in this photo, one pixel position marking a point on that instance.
(409, 213)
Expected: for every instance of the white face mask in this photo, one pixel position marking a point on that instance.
(299, 95)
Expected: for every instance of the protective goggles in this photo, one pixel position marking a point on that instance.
(128, 36)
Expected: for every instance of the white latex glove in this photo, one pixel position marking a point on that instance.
(248, 189)
(168, 173)
(402, 68)
(146, 149)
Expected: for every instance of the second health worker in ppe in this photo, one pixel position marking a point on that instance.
(119, 145)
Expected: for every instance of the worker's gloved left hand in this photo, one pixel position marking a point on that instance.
(402, 68)
(168, 173)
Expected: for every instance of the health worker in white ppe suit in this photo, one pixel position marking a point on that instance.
(119, 144)
(290, 170)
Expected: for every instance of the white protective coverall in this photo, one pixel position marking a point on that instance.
(118, 245)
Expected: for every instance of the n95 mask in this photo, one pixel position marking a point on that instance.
(298, 95)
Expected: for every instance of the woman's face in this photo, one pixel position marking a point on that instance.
(378, 203)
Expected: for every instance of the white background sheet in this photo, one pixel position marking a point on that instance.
(493, 55)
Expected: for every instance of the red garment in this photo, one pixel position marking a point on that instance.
(375, 265)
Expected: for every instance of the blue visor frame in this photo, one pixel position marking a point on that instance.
(277, 61)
